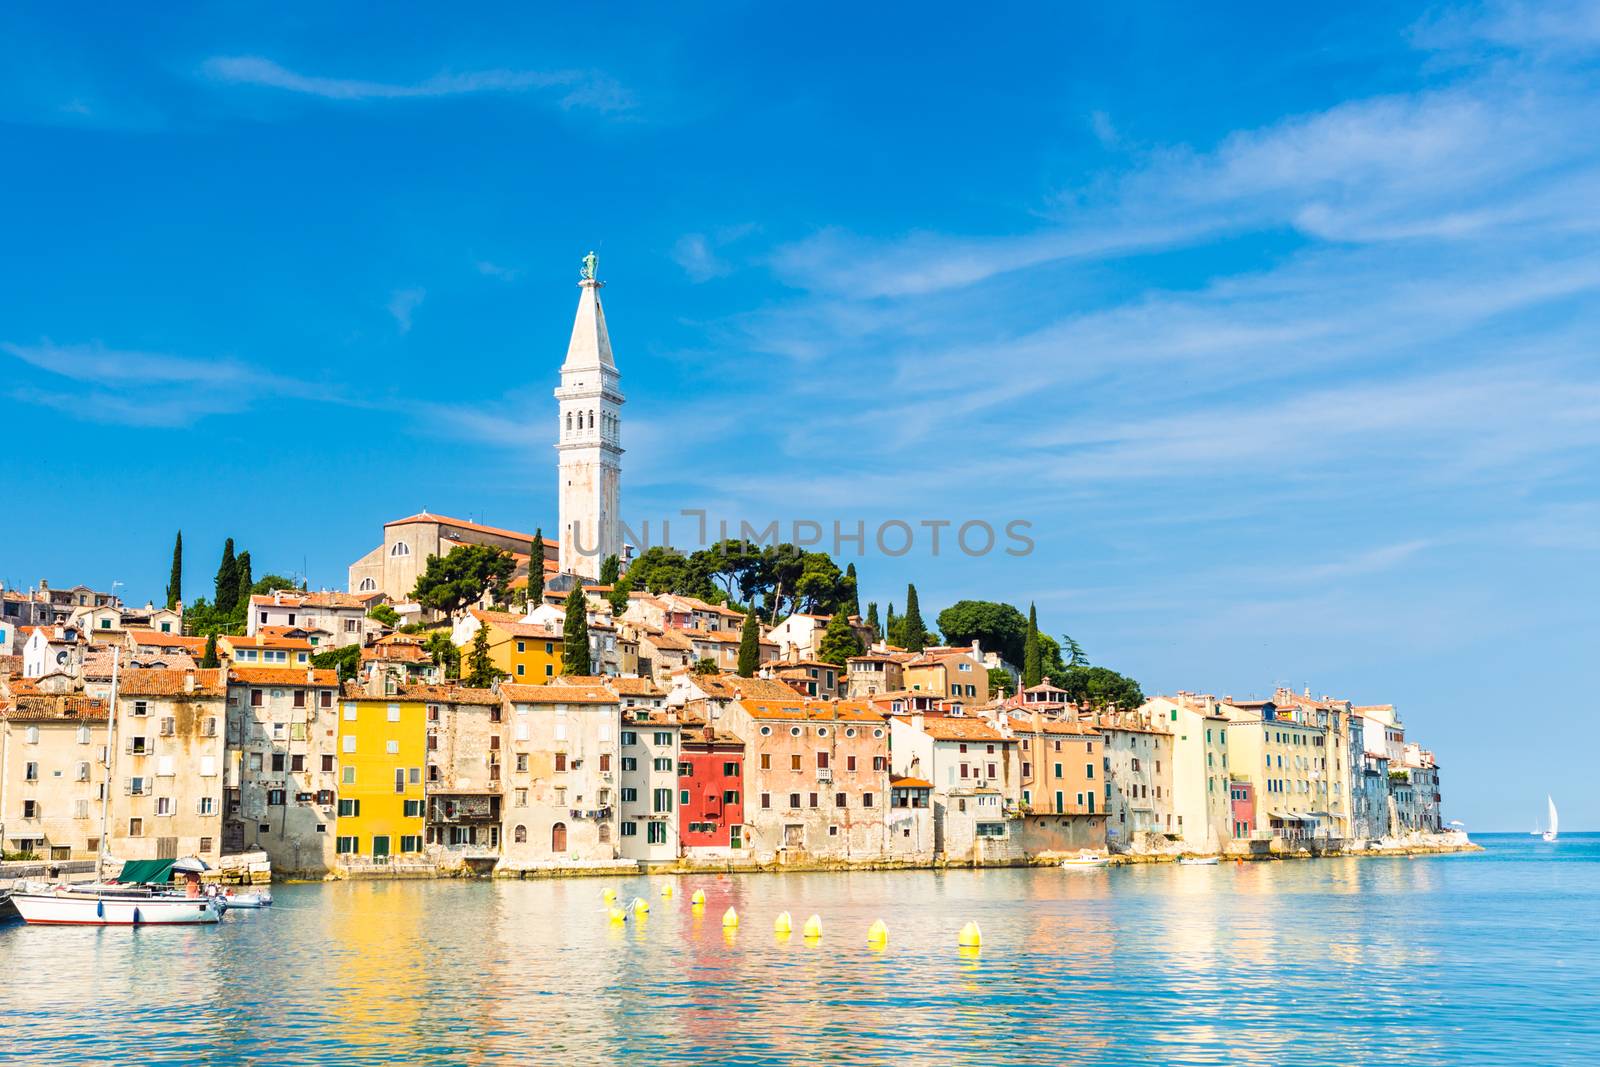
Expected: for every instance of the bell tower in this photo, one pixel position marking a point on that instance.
(589, 437)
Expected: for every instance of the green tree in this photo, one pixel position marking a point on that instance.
(241, 566)
(1000, 681)
(707, 666)
(575, 649)
(893, 632)
(1000, 628)
(749, 646)
(839, 642)
(610, 569)
(1101, 687)
(872, 620)
(618, 597)
(443, 652)
(263, 586)
(1075, 656)
(462, 577)
(175, 581)
(345, 660)
(227, 581)
(916, 633)
(536, 569)
(385, 614)
(210, 661)
(1032, 665)
(855, 590)
(481, 671)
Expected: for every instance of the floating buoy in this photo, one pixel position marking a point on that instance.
(618, 916)
(699, 897)
(666, 889)
(783, 923)
(970, 937)
(608, 894)
(730, 919)
(813, 928)
(878, 934)
(640, 906)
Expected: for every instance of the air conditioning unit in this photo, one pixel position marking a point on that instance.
(824, 774)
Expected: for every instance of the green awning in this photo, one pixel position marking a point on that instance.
(146, 871)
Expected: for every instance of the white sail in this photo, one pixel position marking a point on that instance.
(1555, 824)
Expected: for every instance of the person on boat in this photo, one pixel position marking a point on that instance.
(191, 884)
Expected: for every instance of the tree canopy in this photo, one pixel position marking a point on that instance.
(1000, 628)
(481, 671)
(839, 642)
(346, 660)
(175, 579)
(781, 579)
(575, 648)
(749, 646)
(462, 576)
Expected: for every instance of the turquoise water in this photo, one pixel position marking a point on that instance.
(1490, 958)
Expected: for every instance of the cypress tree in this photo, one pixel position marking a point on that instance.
(749, 646)
(872, 620)
(210, 661)
(610, 569)
(575, 650)
(227, 581)
(916, 633)
(891, 628)
(536, 570)
(481, 671)
(1032, 671)
(175, 582)
(839, 641)
(855, 591)
(246, 582)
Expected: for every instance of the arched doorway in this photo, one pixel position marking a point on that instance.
(520, 835)
(558, 837)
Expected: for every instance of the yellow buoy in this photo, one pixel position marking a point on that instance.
(878, 934)
(730, 919)
(666, 890)
(783, 923)
(813, 928)
(699, 897)
(640, 906)
(608, 894)
(971, 936)
(618, 916)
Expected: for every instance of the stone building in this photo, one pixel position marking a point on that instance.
(167, 790)
(1276, 756)
(281, 781)
(561, 775)
(394, 566)
(589, 439)
(465, 776)
(341, 615)
(1060, 762)
(52, 772)
(970, 764)
(710, 789)
(817, 777)
(648, 784)
(1201, 798)
(1138, 777)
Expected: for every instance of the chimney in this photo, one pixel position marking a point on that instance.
(916, 721)
(188, 681)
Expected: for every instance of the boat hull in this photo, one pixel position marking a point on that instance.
(76, 909)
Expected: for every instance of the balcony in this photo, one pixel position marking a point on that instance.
(591, 813)
(824, 774)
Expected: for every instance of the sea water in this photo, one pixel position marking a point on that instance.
(1483, 958)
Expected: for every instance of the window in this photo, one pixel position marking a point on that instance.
(990, 829)
(413, 809)
(794, 762)
(30, 809)
(346, 846)
(730, 796)
(135, 827)
(629, 763)
(663, 737)
(30, 772)
(656, 833)
(630, 829)
(349, 809)
(561, 761)
(663, 763)
(349, 742)
(275, 798)
(663, 800)
(730, 770)
(866, 800)
(794, 800)
(840, 800)
(629, 737)
(766, 800)
(400, 549)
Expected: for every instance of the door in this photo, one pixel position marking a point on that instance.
(380, 848)
(558, 837)
(733, 836)
(166, 848)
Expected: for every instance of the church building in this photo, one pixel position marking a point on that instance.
(589, 440)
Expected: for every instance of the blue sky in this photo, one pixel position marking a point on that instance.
(1279, 327)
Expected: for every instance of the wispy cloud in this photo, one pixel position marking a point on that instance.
(495, 270)
(699, 253)
(403, 303)
(574, 89)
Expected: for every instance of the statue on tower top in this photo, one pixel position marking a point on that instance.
(591, 263)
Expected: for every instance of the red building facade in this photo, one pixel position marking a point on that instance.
(710, 789)
(1242, 798)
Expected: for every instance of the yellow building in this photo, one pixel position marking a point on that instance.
(529, 654)
(382, 750)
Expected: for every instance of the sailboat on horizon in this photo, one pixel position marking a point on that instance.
(1555, 822)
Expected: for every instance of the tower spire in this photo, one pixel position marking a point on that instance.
(589, 440)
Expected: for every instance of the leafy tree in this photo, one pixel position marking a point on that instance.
(443, 652)
(916, 633)
(736, 566)
(263, 586)
(227, 584)
(839, 642)
(210, 661)
(1000, 681)
(462, 577)
(1000, 628)
(202, 618)
(1032, 665)
(855, 590)
(610, 569)
(175, 582)
(749, 646)
(660, 569)
(241, 566)
(536, 569)
(1075, 656)
(706, 666)
(872, 620)
(385, 614)
(822, 587)
(481, 671)
(618, 597)
(575, 650)
(893, 632)
(1100, 687)
(345, 660)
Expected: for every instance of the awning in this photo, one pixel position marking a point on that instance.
(28, 836)
(146, 871)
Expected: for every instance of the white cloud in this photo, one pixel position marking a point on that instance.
(495, 270)
(579, 89)
(693, 253)
(403, 303)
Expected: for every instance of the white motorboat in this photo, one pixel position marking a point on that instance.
(1085, 860)
(255, 899)
(103, 904)
(1197, 861)
(1554, 829)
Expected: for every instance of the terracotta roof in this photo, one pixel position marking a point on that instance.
(140, 682)
(732, 687)
(811, 710)
(909, 783)
(319, 599)
(462, 524)
(1023, 723)
(959, 728)
(512, 624)
(286, 676)
(635, 687)
(449, 694)
(558, 694)
(396, 653)
(49, 708)
(718, 637)
(263, 640)
(157, 639)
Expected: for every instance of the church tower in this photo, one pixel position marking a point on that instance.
(590, 438)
